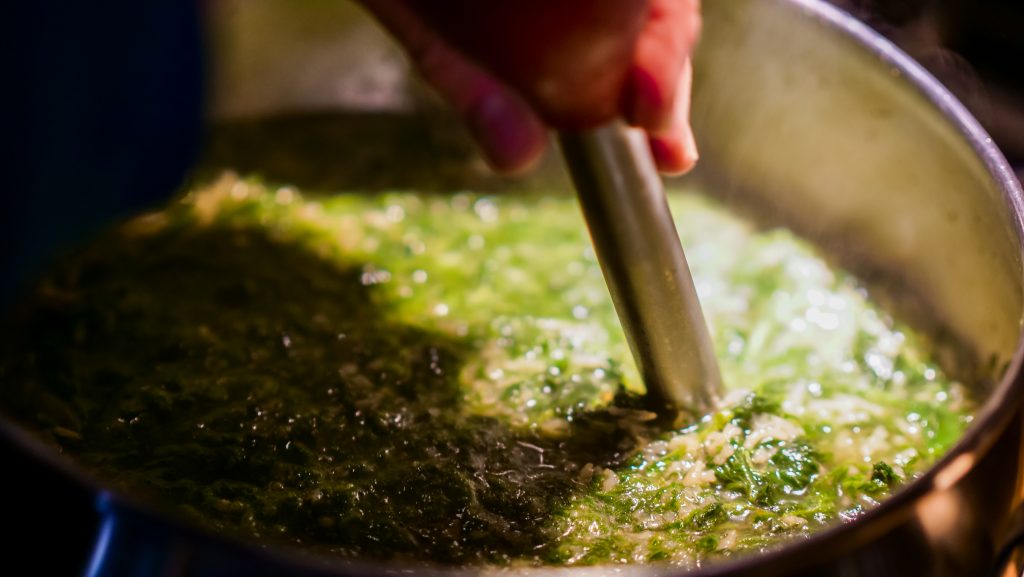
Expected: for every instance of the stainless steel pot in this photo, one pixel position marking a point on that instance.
(807, 118)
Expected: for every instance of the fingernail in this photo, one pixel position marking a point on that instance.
(690, 147)
(674, 154)
(509, 134)
(667, 155)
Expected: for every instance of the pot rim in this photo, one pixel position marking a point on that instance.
(988, 425)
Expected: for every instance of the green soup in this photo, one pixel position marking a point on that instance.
(443, 379)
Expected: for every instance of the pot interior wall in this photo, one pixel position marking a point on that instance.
(820, 134)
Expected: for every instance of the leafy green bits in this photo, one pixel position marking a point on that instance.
(442, 379)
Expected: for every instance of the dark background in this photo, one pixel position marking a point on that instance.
(976, 48)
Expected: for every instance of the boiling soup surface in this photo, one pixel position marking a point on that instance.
(443, 379)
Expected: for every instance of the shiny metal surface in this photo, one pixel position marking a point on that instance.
(807, 119)
(636, 242)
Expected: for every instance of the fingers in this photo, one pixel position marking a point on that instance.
(662, 47)
(511, 135)
(674, 148)
(657, 96)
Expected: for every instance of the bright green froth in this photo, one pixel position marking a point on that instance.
(443, 379)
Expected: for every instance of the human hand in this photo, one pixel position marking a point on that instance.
(511, 68)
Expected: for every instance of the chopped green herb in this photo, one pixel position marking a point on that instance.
(706, 517)
(883, 474)
(443, 379)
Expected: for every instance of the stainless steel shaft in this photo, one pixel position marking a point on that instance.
(624, 204)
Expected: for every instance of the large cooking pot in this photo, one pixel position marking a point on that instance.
(805, 118)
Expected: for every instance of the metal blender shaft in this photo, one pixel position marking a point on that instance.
(643, 263)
